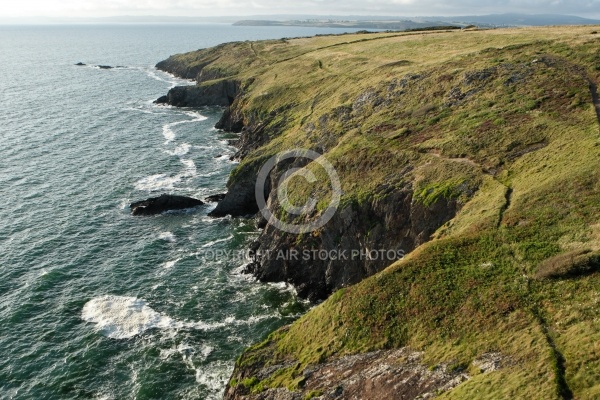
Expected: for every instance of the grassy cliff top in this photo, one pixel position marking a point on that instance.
(502, 119)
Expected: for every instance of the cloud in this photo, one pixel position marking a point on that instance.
(589, 8)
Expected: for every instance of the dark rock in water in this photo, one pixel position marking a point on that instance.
(219, 156)
(239, 201)
(80, 64)
(162, 100)
(164, 202)
(104, 66)
(215, 197)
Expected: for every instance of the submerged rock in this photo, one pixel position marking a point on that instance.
(104, 66)
(164, 202)
(80, 64)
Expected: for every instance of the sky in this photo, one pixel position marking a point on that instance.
(198, 8)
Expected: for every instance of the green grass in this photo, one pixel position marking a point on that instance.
(502, 122)
(312, 394)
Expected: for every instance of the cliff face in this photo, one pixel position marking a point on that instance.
(473, 153)
(218, 93)
(210, 68)
(360, 240)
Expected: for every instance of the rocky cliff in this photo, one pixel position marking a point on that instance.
(473, 153)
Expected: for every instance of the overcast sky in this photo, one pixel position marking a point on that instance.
(102, 8)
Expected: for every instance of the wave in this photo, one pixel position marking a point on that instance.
(157, 182)
(214, 377)
(212, 243)
(171, 264)
(167, 237)
(167, 129)
(186, 350)
(168, 133)
(166, 77)
(189, 168)
(161, 182)
(121, 317)
(145, 111)
(180, 150)
(209, 174)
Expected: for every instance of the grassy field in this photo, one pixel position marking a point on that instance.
(502, 120)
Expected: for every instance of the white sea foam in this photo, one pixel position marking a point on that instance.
(214, 376)
(170, 264)
(144, 111)
(152, 74)
(186, 351)
(208, 174)
(189, 168)
(157, 182)
(180, 150)
(168, 237)
(205, 147)
(166, 77)
(206, 351)
(168, 132)
(213, 242)
(196, 115)
(161, 182)
(284, 286)
(120, 317)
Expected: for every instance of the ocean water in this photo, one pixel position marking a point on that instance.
(95, 303)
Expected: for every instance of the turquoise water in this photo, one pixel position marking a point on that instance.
(94, 303)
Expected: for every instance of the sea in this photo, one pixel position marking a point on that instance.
(94, 302)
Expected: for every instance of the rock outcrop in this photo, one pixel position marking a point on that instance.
(374, 375)
(162, 203)
(215, 198)
(359, 241)
(218, 93)
(240, 199)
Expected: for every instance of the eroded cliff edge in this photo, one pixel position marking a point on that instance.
(473, 152)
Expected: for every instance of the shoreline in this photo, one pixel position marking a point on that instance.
(434, 150)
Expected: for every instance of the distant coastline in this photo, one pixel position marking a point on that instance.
(331, 23)
(395, 22)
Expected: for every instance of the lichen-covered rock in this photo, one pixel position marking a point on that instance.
(391, 374)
